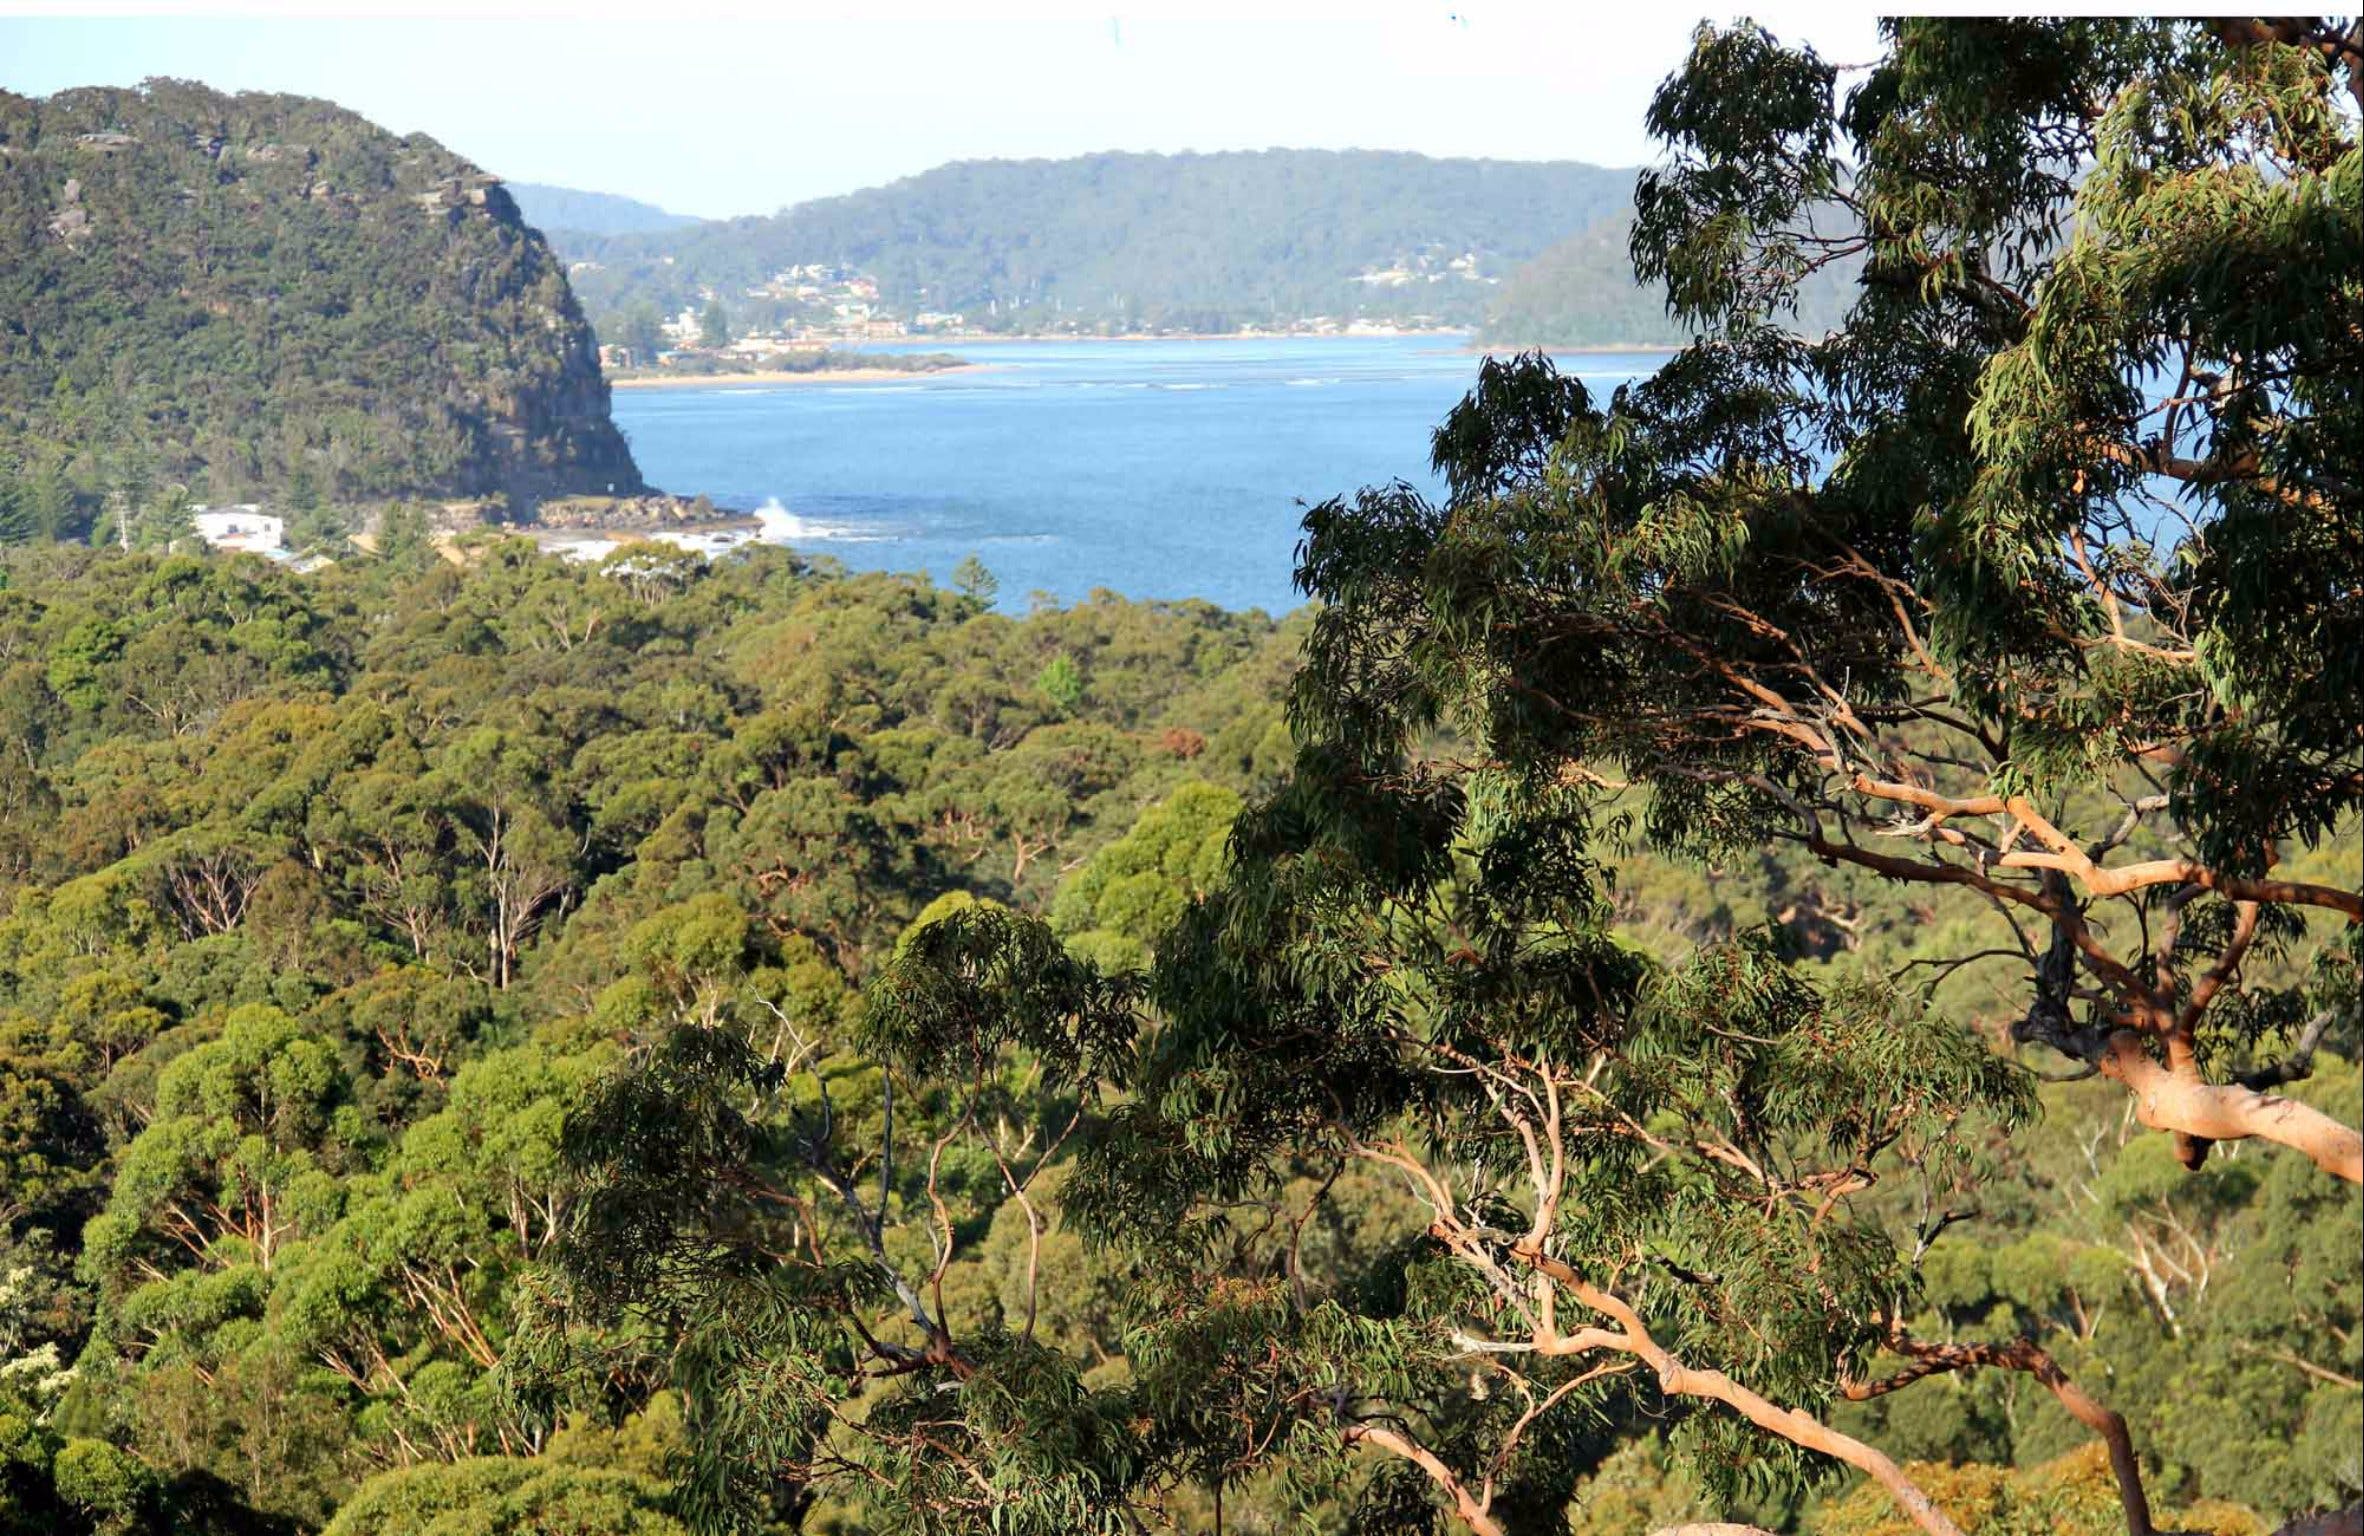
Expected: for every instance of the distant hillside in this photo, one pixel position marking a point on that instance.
(592, 213)
(1582, 292)
(1120, 241)
(268, 293)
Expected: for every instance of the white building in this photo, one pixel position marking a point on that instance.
(245, 526)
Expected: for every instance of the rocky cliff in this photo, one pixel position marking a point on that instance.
(269, 294)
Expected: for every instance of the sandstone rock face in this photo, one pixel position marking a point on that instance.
(634, 514)
(271, 292)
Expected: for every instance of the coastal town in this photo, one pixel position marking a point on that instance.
(800, 314)
(811, 309)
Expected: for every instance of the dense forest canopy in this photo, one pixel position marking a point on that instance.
(332, 900)
(216, 296)
(367, 928)
(1787, 954)
(1950, 599)
(1120, 242)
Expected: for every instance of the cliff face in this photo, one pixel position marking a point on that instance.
(271, 294)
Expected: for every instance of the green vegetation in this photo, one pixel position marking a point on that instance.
(211, 297)
(1255, 240)
(1426, 1166)
(450, 961)
(1789, 954)
(1131, 242)
(1582, 293)
(334, 901)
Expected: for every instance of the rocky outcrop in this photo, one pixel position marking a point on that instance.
(636, 514)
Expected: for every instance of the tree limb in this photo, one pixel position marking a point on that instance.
(2025, 1355)
(2167, 1100)
(1466, 1505)
(1679, 1380)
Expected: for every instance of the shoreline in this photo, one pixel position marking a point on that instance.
(783, 376)
(1604, 349)
(1466, 340)
(741, 525)
(1002, 338)
(1463, 342)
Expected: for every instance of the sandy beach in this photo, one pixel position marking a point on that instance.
(807, 376)
(998, 338)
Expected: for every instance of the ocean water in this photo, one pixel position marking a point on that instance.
(1153, 469)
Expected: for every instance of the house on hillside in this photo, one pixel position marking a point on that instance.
(245, 526)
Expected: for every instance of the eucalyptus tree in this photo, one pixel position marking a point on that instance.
(2036, 585)
(770, 1208)
(218, 1195)
(2038, 580)
(2034, 588)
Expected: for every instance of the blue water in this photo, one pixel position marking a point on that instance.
(1152, 469)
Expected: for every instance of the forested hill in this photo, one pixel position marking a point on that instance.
(260, 293)
(1582, 293)
(591, 213)
(1121, 241)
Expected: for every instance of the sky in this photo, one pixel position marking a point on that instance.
(717, 108)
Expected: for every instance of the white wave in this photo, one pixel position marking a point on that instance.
(775, 524)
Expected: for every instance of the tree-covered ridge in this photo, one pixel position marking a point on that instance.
(1119, 242)
(549, 208)
(247, 294)
(1583, 293)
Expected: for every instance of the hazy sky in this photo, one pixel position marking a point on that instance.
(723, 108)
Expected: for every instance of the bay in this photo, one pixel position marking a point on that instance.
(1153, 469)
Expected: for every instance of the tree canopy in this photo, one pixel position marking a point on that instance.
(335, 903)
(1786, 954)
(2032, 588)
